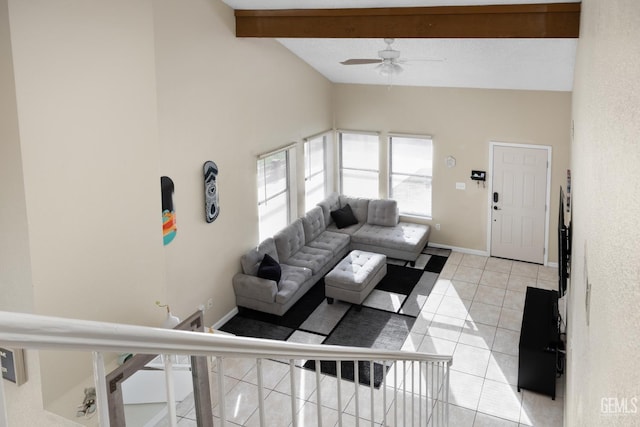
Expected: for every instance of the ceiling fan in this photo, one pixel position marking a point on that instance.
(388, 62)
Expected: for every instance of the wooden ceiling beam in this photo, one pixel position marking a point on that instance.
(551, 20)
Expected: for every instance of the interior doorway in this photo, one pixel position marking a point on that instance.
(519, 200)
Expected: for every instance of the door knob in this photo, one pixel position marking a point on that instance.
(495, 208)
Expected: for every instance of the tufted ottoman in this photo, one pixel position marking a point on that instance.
(353, 279)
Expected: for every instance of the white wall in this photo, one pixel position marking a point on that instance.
(603, 354)
(223, 99)
(462, 123)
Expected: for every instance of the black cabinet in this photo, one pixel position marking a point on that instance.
(539, 342)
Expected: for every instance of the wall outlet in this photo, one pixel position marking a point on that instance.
(461, 186)
(209, 303)
(437, 226)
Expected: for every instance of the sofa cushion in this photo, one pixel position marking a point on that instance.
(292, 278)
(330, 203)
(331, 241)
(359, 206)
(269, 269)
(383, 212)
(312, 258)
(344, 217)
(252, 259)
(289, 240)
(404, 236)
(313, 224)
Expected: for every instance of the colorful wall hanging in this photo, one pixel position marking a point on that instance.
(211, 203)
(168, 213)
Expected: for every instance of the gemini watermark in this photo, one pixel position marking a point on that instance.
(619, 405)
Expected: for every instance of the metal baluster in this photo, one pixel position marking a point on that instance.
(100, 380)
(371, 386)
(438, 394)
(171, 396)
(292, 370)
(446, 396)
(339, 380)
(384, 392)
(404, 393)
(222, 399)
(356, 382)
(395, 393)
(318, 394)
(413, 393)
(260, 391)
(420, 393)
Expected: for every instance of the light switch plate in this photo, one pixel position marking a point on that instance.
(461, 186)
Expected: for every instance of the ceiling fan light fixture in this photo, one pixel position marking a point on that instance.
(389, 68)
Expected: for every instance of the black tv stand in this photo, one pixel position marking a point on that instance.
(539, 342)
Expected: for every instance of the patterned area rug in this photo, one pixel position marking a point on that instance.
(383, 322)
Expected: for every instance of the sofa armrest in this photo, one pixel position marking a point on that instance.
(255, 287)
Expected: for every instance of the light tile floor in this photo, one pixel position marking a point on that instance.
(474, 312)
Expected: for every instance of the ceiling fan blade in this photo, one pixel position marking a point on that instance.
(360, 61)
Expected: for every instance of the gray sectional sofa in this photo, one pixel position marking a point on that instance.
(311, 246)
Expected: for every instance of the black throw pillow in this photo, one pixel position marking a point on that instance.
(344, 217)
(269, 269)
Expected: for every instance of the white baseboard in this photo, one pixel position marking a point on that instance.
(458, 249)
(476, 252)
(225, 318)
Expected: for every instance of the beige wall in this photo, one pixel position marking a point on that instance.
(462, 123)
(227, 100)
(85, 87)
(15, 267)
(603, 354)
(110, 96)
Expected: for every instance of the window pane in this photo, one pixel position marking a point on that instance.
(411, 156)
(359, 151)
(273, 193)
(314, 176)
(412, 193)
(273, 216)
(275, 168)
(411, 171)
(261, 189)
(316, 152)
(359, 183)
(314, 188)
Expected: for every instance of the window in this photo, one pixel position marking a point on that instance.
(273, 193)
(410, 172)
(359, 164)
(314, 170)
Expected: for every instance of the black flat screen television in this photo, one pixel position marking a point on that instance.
(564, 247)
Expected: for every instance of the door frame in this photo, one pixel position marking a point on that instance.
(548, 148)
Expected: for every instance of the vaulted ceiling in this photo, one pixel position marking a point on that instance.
(499, 44)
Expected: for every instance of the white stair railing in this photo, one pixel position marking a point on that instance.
(414, 391)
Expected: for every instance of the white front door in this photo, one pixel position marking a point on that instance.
(518, 203)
